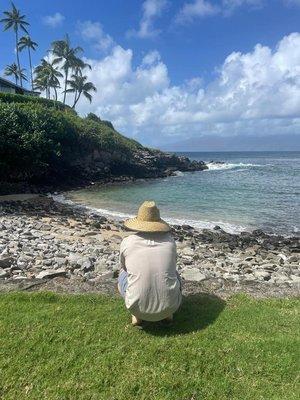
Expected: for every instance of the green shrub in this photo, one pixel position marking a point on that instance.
(20, 98)
(37, 140)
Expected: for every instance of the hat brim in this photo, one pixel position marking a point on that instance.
(147, 226)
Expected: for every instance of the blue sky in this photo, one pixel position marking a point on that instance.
(172, 71)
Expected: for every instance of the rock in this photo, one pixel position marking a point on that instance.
(193, 274)
(100, 267)
(51, 273)
(3, 273)
(86, 264)
(263, 275)
(295, 278)
(294, 258)
(187, 251)
(6, 261)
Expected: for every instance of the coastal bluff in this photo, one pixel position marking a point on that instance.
(44, 147)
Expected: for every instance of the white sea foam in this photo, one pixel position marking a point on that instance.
(228, 227)
(213, 166)
(178, 173)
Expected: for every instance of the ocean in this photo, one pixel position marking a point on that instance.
(251, 190)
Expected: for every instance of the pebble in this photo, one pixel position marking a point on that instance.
(71, 243)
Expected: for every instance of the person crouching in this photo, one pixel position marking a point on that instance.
(148, 279)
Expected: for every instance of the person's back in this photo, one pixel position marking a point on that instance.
(153, 289)
(148, 279)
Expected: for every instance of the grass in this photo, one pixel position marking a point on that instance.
(82, 347)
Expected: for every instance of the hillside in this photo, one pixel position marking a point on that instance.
(46, 144)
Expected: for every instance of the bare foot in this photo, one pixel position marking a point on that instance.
(136, 321)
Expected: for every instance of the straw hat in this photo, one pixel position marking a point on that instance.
(148, 219)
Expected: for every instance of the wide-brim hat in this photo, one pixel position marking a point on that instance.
(148, 219)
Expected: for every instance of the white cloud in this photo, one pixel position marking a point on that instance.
(151, 57)
(203, 8)
(292, 2)
(54, 20)
(254, 93)
(198, 8)
(151, 10)
(94, 31)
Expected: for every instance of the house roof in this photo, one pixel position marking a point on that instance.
(11, 84)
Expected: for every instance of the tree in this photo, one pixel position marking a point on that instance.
(15, 71)
(79, 85)
(14, 20)
(26, 42)
(66, 55)
(47, 77)
(78, 69)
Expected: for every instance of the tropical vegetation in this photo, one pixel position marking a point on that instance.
(60, 73)
(40, 142)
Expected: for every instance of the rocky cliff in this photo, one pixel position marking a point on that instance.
(46, 148)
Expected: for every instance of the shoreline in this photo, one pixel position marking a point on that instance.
(46, 245)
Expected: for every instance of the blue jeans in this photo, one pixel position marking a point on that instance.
(122, 282)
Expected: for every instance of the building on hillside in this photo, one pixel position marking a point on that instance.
(10, 87)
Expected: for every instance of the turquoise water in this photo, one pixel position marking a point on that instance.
(251, 190)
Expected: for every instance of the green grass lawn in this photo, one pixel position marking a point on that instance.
(82, 347)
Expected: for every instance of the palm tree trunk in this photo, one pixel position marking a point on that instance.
(31, 76)
(55, 91)
(76, 100)
(66, 80)
(18, 60)
(75, 95)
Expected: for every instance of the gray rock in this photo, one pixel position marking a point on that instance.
(187, 251)
(295, 279)
(262, 275)
(6, 261)
(3, 273)
(51, 273)
(86, 264)
(100, 267)
(193, 274)
(294, 258)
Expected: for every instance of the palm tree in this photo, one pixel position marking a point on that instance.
(47, 77)
(14, 20)
(79, 85)
(15, 71)
(24, 42)
(78, 69)
(41, 83)
(66, 55)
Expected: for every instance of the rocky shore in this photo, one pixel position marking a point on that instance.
(102, 167)
(46, 245)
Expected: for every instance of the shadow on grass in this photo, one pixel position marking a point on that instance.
(196, 313)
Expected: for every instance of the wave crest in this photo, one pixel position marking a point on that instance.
(213, 166)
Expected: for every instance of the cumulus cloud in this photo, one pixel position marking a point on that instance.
(94, 31)
(54, 20)
(254, 93)
(151, 10)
